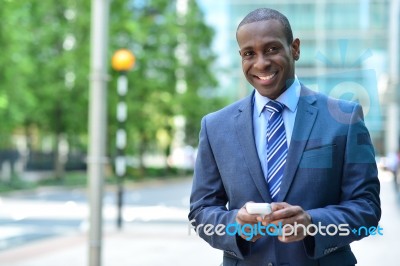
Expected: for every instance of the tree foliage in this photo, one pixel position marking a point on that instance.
(44, 69)
(169, 47)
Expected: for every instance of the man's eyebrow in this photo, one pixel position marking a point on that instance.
(273, 42)
(249, 47)
(269, 43)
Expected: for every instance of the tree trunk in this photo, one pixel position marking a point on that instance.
(59, 160)
(60, 151)
(142, 150)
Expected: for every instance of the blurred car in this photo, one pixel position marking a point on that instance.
(183, 158)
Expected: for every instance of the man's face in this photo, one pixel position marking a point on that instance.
(267, 58)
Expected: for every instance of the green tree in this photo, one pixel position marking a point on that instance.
(44, 68)
(59, 80)
(14, 66)
(173, 70)
(46, 78)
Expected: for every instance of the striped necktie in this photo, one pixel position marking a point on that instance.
(276, 147)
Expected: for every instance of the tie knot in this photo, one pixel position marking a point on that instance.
(274, 106)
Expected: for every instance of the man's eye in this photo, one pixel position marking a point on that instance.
(272, 49)
(248, 53)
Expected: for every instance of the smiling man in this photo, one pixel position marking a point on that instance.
(308, 155)
(268, 53)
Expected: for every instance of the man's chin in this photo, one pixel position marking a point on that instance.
(269, 92)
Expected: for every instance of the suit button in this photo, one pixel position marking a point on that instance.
(270, 264)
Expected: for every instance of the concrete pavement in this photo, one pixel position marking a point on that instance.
(383, 250)
(151, 244)
(137, 244)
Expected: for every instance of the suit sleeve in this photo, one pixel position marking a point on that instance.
(208, 201)
(360, 203)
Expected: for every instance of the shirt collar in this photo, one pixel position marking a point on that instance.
(289, 98)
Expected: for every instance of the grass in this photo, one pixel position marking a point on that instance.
(15, 184)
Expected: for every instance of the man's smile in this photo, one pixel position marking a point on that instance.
(266, 77)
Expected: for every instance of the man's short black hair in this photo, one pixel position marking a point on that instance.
(262, 14)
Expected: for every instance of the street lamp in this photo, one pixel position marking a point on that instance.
(122, 61)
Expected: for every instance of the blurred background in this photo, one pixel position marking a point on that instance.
(186, 65)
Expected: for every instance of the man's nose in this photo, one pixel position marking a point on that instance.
(262, 62)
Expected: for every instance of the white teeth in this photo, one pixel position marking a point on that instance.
(267, 77)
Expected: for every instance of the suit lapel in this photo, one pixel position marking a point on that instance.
(244, 132)
(305, 118)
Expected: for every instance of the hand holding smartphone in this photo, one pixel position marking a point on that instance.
(258, 208)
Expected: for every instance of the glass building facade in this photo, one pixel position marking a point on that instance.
(344, 50)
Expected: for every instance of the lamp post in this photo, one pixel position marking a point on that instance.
(122, 61)
(97, 125)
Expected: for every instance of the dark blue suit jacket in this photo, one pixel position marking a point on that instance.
(330, 172)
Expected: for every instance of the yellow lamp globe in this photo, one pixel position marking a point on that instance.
(123, 60)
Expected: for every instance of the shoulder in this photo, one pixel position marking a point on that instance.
(341, 110)
(322, 98)
(230, 111)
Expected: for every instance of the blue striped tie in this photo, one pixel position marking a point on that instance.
(276, 148)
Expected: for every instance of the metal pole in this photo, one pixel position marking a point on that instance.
(97, 125)
(392, 121)
(120, 161)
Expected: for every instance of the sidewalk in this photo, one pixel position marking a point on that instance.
(137, 244)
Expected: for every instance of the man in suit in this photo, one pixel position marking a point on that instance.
(320, 173)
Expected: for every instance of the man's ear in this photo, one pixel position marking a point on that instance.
(296, 49)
